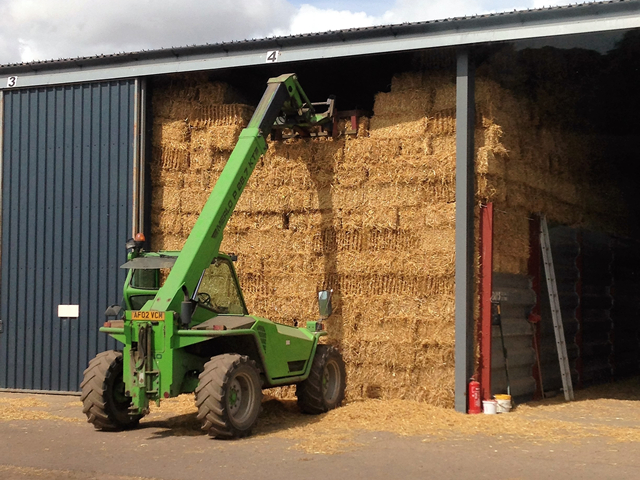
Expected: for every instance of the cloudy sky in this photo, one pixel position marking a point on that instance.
(51, 29)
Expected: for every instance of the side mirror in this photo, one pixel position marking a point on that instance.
(113, 311)
(324, 303)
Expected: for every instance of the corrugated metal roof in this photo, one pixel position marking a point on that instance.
(189, 50)
(491, 27)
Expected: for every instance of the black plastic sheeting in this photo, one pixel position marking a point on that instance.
(598, 280)
(599, 287)
(517, 300)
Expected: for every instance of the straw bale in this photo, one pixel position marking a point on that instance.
(203, 151)
(224, 137)
(166, 198)
(407, 81)
(167, 222)
(509, 264)
(193, 200)
(282, 200)
(382, 382)
(434, 385)
(247, 222)
(410, 170)
(376, 239)
(512, 232)
(312, 219)
(373, 284)
(361, 151)
(433, 263)
(281, 260)
(380, 349)
(445, 95)
(276, 172)
(430, 215)
(491, 188)
(167, 242)
(170, 133)
(398, 126)
(209, 116)
(491, 161)
(405, 103)
(166, 178)
(172, 157)
(197, 180)
(255, 288)
(442, 123)
(181, 90)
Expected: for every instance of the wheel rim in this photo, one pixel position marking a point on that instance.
(241, 398)
(331, 381)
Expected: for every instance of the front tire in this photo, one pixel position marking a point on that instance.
(103, 393)
(228, 396)
(324, 389)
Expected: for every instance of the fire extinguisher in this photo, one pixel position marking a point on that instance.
(474, 397)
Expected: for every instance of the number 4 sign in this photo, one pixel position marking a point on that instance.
(272, 56)
(12, 82)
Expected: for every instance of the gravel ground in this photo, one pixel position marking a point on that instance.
(46, 437)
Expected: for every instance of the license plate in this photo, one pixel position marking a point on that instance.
(147, 315)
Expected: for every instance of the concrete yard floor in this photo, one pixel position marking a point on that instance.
(46, 437)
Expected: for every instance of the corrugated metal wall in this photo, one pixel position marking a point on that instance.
(66, 213)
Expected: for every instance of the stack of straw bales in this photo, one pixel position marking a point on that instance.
(370, 216)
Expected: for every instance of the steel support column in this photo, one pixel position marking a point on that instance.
(1, 170)
(142, 173)
(135, 218)
(465, 117)
(139, 156)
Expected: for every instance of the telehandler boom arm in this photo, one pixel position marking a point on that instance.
(284, 103)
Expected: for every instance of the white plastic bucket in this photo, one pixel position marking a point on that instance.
(489, 406)
(503, 406)
(504, 403)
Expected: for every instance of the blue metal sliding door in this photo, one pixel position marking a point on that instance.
(67, 159)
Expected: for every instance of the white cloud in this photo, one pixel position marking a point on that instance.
(310, 19)
(48, 29)
(417, 10)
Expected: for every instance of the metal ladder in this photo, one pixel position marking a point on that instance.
(556, 314)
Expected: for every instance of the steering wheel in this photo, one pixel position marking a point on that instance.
(204, 298)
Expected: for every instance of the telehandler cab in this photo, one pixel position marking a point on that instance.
(193, 333)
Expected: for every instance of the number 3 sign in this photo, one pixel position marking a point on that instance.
(12, 82)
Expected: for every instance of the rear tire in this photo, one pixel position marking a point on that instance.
(324, 389)
(103, 394)
(228, 396)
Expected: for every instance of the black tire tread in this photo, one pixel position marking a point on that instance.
(309, 392)
(210, 395)
(95, 399)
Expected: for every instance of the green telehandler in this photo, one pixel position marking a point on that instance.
(190, 331)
